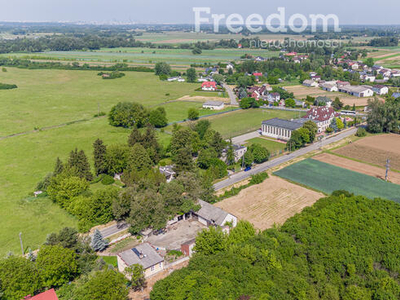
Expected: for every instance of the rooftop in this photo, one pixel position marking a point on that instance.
(143, 254)
(213, 103)
(276, 122)
(211, 213)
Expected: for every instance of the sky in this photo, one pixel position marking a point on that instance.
(383, 12)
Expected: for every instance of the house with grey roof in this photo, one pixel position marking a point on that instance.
(144, 255)
(279, 128)
(396, 95)
(211, 215)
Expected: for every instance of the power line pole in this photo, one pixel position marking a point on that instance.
(387, 169)
(20, 240)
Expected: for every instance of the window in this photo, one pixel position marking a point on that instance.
(152, 268)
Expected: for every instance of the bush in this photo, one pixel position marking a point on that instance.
(128, 114)
(258, 178)
(107, 180)
(361, 132)
(4, 86)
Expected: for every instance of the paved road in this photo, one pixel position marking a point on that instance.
(231, 94)
(114, 229)
(241, 139)
(282, 159)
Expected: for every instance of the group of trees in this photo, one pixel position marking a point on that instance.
(302, 136)
(383, 116)
(130, 114)
(64, 257)
(309, 257)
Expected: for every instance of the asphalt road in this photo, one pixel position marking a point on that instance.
(113, 229)
(231, 94)
(282, 159)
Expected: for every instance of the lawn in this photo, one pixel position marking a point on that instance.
(328, 178)
(272, 146)
(244, 121)
(111, 260)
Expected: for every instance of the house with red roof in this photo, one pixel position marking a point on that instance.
(209, 86)
(322, 116)
(47, 295)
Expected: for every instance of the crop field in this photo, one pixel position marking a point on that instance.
(302, 92)
(378, 172)
(375, 150)
(271, 202)
(271, 145)
(173, 37)
(328, 178)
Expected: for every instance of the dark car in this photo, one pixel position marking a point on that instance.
(247, 169)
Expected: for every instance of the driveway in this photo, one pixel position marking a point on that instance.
(231, 94)
(282, 159)
(242, 139)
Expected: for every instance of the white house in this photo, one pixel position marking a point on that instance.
(380, 89)
(322, 116)
(214, 105)
(209, 86)
(310, 83)
(329, 87)
(144, 255)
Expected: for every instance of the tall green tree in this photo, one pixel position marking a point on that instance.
(98, 243)
(99, 156)
(191, 75)
(136, 273)
(57, 265)
(158, 117)
(162, 68)
(193, 114)
(139, 159)
(79, 161)
(59, 167)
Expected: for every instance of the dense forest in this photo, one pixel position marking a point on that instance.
(343, 247)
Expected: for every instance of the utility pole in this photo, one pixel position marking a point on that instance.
(98, 108)
(387, 169)
(20, 240)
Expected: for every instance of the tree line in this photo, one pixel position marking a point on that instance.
(336, 249)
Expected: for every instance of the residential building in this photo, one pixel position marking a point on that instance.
(279, 128)
(329, 87)
(380, 89)
(230, 66)
(396, 95)
(310, 83)
(211, 215)
(239, 151)
(209, 86)
(322, 116)
(214, 105)
(168, 172)
(144, 255)
(47, 295)
(358, 91)
(273, 97)
(257, 92)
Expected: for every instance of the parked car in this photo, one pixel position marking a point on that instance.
(247, 169)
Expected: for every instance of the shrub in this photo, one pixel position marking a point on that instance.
(361, 132)
(107, 180)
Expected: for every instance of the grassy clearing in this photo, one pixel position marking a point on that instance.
(328, 178)
(272, 146)
(244, 121)
(52, 97)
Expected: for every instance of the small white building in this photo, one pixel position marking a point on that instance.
(144, 255)
(214, 105)
(210, 215)
(380, 89)
(329, 87)
(310, 83)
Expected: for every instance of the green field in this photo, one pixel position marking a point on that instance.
(272, 146)
(146, 55)
(51, 97)
(328, 178)
(244, 121)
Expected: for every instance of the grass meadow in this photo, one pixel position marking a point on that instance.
(272, 146)
(328, 178)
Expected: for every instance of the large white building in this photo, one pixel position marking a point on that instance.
(280, 129)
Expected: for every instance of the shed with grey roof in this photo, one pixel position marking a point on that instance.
(214, 105)
(209, 214)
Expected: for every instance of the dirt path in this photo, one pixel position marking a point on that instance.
(357, 167)
(202, 98)
(271, 202)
